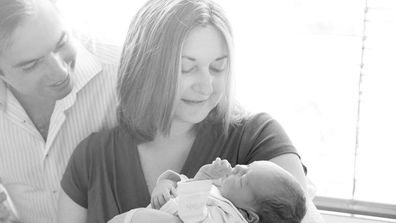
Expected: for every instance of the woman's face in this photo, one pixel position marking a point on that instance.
(202, 80)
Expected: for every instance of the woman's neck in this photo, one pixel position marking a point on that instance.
(179, 133)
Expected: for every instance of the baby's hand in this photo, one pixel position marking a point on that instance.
(217, 169)
(162, 192)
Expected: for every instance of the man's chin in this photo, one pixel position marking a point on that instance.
(65, 92)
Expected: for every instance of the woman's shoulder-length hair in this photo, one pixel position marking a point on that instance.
(150, 64)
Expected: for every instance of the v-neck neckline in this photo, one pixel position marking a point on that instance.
(185, 166)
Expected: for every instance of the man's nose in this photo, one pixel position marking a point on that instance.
(58, 64)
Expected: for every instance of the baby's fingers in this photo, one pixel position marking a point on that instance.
(216, 161)
(173, 192)
(166, 197)
(154, 202)
(161, 201)
(225, 163)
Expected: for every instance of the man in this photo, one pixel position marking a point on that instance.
(53, 94)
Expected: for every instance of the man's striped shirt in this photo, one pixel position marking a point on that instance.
(30, 167)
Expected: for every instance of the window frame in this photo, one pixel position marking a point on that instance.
(356, 207)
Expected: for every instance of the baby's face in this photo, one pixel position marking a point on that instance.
(247, 181)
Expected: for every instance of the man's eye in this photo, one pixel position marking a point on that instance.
(60, 45)
(30, 67)
(63, 42)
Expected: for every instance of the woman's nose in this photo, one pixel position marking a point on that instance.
(204, 84)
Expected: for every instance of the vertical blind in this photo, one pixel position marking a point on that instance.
(376, 151)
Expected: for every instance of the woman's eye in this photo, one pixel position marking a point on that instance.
(217, 70)
(188, 70)
(219, 66)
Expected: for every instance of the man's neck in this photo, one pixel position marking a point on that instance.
(39, 111)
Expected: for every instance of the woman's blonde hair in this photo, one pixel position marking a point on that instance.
(150, 64)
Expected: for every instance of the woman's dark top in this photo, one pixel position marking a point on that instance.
(105, 175)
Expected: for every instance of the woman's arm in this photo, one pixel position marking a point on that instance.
(292, 164)
(69, 211)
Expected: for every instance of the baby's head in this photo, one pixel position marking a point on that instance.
(266, 189)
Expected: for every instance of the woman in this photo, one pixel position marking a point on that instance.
(176, 112)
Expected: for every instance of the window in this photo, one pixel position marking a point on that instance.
(323, 68)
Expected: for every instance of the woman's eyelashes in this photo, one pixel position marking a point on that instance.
(219, 65)
(214, 69)
(187, 70)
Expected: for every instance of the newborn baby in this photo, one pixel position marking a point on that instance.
(260, 192)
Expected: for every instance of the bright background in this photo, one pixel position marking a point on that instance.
(323, 68)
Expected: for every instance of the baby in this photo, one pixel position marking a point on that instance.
(261, 192)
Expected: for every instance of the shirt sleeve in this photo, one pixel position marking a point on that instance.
(263, 138)
(76, 177)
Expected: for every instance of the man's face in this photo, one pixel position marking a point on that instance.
(41, 57)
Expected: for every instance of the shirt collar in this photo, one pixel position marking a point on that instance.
(3, 95)
(87, 66)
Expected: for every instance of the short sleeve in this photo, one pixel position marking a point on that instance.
(76, 177)
(263, 138)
